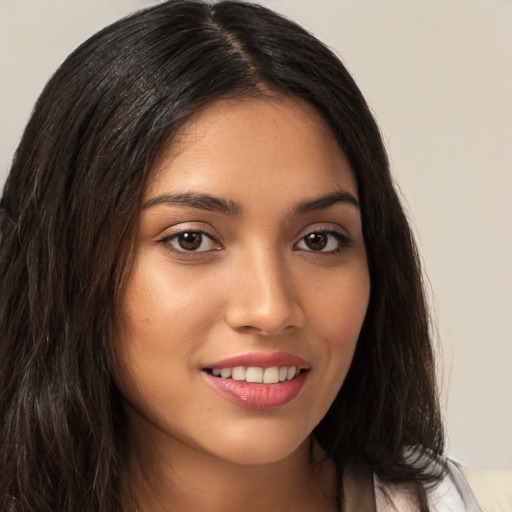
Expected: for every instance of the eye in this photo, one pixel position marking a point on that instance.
(323, 241)
(191, 241)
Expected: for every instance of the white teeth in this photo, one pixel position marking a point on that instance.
(255, 374)
(225, 373)
(238, 373)
(271, 375)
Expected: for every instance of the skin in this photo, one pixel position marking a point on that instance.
(253, 285)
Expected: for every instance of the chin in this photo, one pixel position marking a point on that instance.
(249, 448)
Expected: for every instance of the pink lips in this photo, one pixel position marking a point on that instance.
(255, 395)
(261, 360)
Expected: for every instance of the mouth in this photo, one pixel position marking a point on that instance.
(257, 374)
(259, 381)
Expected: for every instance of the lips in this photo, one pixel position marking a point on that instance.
(258, 381)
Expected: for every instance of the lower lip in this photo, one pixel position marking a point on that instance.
(258, 396)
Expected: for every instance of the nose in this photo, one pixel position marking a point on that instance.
(263, 298)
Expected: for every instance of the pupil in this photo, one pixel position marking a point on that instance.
(316, 241)
(190, 241)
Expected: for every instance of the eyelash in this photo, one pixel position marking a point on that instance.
(343, 242)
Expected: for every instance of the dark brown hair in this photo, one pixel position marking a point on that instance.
(69, 214)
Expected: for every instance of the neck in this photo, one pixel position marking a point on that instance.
(166, 475)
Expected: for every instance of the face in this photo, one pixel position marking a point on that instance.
(249, 285)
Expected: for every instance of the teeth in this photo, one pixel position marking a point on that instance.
(253, 374)
(291, 372)
(256, 374)
(225, 373)
(238, 373)
(271, 375)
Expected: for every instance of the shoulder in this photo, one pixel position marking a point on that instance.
(461, 490)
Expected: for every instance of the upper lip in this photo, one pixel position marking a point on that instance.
(261, 360)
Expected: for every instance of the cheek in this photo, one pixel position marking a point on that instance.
(164, 319)
(339, 317)
(170, 310)
(340, 312)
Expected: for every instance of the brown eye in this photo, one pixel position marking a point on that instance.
(323, 241)
(316, 241)
(191, 241)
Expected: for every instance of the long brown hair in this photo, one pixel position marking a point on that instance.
(68, 217)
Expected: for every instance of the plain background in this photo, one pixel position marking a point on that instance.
(438, 76)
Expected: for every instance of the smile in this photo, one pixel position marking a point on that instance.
(255, 374)
(259, 381)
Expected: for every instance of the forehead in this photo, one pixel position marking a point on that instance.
(275, 146)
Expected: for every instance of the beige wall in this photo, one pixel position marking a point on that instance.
(438, 76)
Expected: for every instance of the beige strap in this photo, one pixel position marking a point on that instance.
(358, 488)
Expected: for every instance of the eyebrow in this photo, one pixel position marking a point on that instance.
(319, 203)
(195, 200)
(216, 204)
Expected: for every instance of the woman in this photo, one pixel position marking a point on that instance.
(211, 298)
